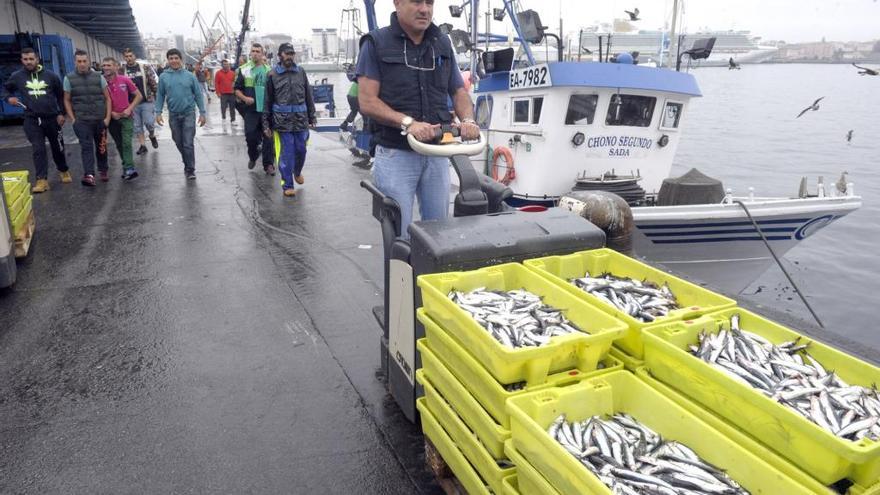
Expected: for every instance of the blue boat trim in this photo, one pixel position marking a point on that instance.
(601, 75)
(720, 239)
(722, 224)
(715, 232)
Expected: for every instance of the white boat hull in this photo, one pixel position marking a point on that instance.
(718, 245)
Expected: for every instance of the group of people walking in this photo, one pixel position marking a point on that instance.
(128, 100)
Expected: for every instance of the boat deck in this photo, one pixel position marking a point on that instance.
(204, 336)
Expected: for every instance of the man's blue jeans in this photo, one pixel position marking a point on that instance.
(183, 132)
(404, 175)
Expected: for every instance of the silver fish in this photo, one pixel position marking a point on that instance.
(787, 373)
(515, 318)
(630, 458)
(642, 300)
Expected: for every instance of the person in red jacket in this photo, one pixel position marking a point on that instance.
(223, 86)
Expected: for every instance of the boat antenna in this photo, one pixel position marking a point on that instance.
(580, 43)
(608, 49)
(784, 271)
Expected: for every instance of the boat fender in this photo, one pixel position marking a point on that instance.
(605, 210)
(510, 171)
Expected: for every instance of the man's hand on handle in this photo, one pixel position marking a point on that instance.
(469, 131)
(423, 131)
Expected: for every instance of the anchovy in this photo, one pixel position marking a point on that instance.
(787, 373)
(643, 300)
(632, 459)
(516, 318)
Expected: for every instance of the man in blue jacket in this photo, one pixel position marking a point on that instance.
(289, 111)
(41, 95)
(184, 94)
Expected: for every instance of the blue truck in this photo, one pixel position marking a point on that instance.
(55, 52)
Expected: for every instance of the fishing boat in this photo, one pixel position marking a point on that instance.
(560, 126)
(552, 125)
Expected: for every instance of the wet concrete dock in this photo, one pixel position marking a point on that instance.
(168, 336)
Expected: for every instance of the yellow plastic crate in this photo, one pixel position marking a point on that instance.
(480, 383)
(530, 480)
(621, 391)
(466, 441)
(511, 486)
(15, 184)
(490, 433)
(460, 467)
(807, 445)
(629, 363)
(574, 351)
(18, 204)
(693, 299)
(19, 221)
(859, 490)
(737, 435)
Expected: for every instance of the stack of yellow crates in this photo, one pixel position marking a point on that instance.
(468, 376)
(19, 200)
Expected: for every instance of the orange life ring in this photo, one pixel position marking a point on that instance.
(510, 171)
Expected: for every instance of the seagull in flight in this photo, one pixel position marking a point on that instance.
(813, 107)
(634, 15)
(866, 71)
(731, 64)
(849, 136)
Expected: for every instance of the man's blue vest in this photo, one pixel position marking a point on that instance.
(421, 94)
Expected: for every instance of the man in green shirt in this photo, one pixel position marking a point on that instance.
(353, 105)
(250, 90)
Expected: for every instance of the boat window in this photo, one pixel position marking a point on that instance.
(630, 110)
(483, 111)
(671, 115)
(527, 110)
(521, 111)
(581, 109)
(537, 104)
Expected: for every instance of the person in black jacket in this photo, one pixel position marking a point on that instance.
(289, 111)
(41, 95)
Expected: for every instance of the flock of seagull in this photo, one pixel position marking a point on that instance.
(863, 71)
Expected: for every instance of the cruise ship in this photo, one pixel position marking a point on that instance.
(742, 46)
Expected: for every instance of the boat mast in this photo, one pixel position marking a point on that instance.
(673, 37)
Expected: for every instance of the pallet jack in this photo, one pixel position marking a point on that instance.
(483, 231)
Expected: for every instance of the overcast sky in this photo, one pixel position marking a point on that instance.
(789, 20)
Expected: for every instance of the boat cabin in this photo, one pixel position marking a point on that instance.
(565, 120)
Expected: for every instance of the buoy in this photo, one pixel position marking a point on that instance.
(607, 211)
(510, 172)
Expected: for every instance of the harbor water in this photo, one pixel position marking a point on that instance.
(744, 131)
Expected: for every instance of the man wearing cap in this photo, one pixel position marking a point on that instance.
(289, 111)
(406, 72)
(250, 89)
